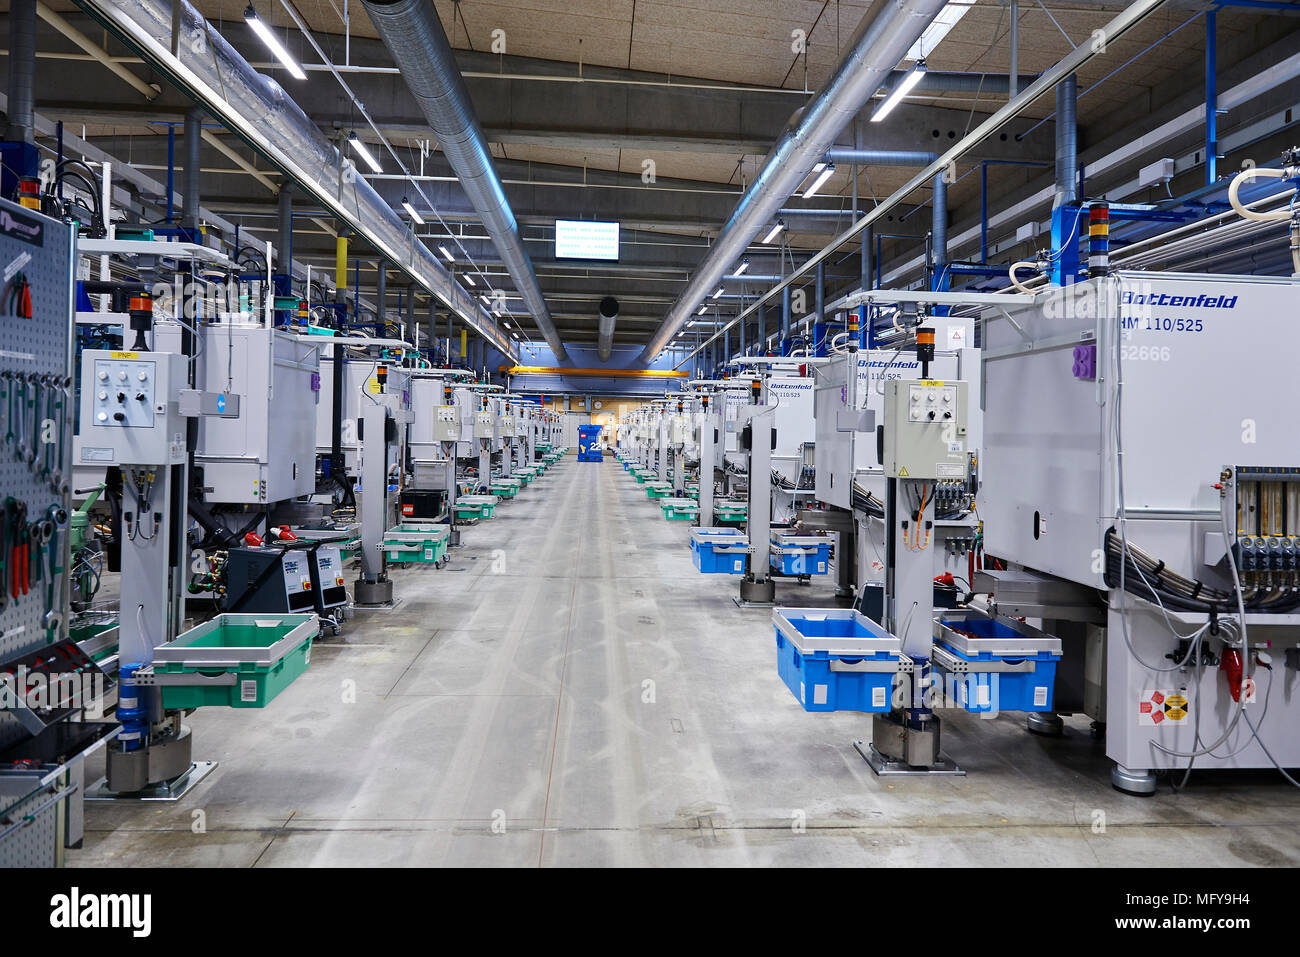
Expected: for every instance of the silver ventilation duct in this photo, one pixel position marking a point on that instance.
(605, 338)
(414, 35)
(877, 46)
(257, 108)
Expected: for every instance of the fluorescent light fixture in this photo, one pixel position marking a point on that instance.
(412, 212)
(275, 46)
(900, 90)
(363, 151)
(470, 279)
(703, 308)
(740, 270)
(486, 300)
(718, 293)
(776, 231)
(939, 28)
(446, 255)
(821, 178)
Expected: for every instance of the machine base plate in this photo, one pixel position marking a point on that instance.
(883, 765)
(172, 790)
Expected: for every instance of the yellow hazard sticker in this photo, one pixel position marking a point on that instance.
(902, 472)
(1157, 706)
(125, 355)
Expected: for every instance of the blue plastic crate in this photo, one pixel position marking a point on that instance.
(705, 545)
(813, 561)
(989, 690)
(811, 675)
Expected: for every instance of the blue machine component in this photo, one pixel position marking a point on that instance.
(990, 665)
(131, 712)
(588, 444)
(799, 555)
(719, 551)
(838, 659)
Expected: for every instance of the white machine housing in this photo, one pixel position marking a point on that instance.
(266, 453)
(1171, 350)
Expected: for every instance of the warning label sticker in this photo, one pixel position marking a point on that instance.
(1156, 706)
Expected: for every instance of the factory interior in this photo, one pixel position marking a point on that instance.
(649, 434)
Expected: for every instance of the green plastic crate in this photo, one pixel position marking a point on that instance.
(731, 512)
(658, 490)
(679, 509)
(416, 542)
(505, 491)
(475, 511)
(265, 653)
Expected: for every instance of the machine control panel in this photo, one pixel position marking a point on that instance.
(928, 402)
(297, 581)
(446, 424)
(129, 410)
(925, 429)
(484, 426)
(124, 392)
(327, 577)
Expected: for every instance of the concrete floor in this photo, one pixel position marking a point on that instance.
(570, 691)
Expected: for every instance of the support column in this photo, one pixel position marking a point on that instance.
(939, 232)
(192, 173)
(1211, 99)
(785, 318)
(1013, 72)
(284, 242)
(22, 71)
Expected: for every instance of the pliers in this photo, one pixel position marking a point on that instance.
(18, 552)
(18, 297)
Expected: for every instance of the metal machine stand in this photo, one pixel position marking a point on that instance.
(757, 587)
(453, 533)
(662, 446)
(924, 441)
(130, 416)
(373, 587)
(707, 432)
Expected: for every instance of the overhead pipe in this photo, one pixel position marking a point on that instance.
(840, 154)
(939, 194)
(192, 173)
(414, 35)
(877, 46)
(284, 212)
(95, 52)
(938, 230)
(257, 108)
(605, 333)
(22, 71)
(1067, 142)
(1070, 63)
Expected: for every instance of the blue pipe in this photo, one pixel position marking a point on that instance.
(171, 173)
(1211, 99)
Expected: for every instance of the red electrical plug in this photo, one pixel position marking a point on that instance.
(1230, 665)
(252, 539)
(945, 579)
